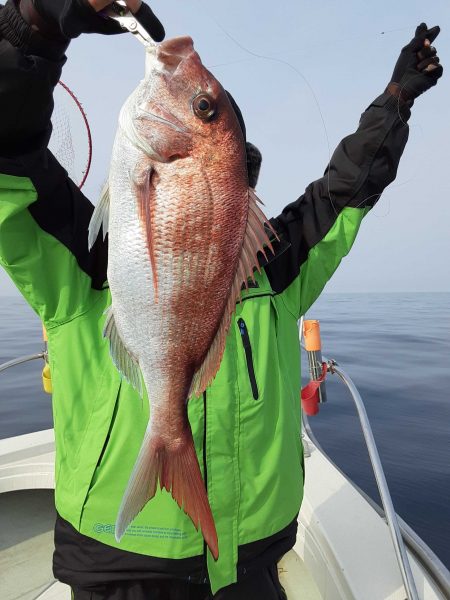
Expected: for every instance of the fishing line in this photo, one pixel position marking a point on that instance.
(310, 46)
(272, 58)
(300, 74)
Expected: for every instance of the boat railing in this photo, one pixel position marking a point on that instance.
(385, 495)
(22, 359)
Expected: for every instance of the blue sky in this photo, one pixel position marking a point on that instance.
(340, 51)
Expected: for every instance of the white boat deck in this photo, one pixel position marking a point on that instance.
(56, 591)
(26, 543)
(27, 518)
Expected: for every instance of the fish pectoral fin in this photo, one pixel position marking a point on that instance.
(256, 240)
(177, 470)
(143, 180)
(100, 217)
(126, 363)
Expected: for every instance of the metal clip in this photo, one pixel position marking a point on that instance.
(331, 364)
(119, 11)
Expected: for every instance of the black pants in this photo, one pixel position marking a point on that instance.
(260, 584)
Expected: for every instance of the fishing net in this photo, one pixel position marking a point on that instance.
(71, 140)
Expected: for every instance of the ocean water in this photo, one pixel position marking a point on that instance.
(396, 348)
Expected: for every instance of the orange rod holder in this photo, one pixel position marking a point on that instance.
(311, 335)
(313, 346)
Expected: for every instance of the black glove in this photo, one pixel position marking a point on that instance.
(45, 27)
(410, 72)
(74, 17)
(20, 34)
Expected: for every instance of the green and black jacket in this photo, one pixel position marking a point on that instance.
(246, 426)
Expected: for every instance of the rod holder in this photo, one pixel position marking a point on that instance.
(313, 346)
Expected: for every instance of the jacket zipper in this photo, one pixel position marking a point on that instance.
(249, 357)
(261, 295)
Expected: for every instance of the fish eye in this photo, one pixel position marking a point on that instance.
(204, 107)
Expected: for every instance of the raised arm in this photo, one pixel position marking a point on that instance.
(43, 216)
(322, 224)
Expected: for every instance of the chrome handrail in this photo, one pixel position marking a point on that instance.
(21, 360)
(386, 499)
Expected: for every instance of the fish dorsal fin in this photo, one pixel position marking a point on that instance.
(125, 362)
(100, 217)
(255, 240)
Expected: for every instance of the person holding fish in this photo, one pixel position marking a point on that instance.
(195, 492)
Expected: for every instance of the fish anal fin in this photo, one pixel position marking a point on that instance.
(126, 364)
(100, 217)
(175, 467)
(255, 240)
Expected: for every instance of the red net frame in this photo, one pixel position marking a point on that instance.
(87, 168)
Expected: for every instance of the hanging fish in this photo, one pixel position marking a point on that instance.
(184, 232)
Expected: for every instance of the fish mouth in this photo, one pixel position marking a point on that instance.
(168, 55)
(172, 52)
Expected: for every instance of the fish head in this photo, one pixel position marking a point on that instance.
(180, 109)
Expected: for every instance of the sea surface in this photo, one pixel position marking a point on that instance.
(396, 348)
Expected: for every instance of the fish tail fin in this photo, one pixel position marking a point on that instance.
(176, 469)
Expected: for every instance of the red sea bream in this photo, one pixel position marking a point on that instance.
(184, 232)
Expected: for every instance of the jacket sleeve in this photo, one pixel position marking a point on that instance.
(320, 227)
(43, 216)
